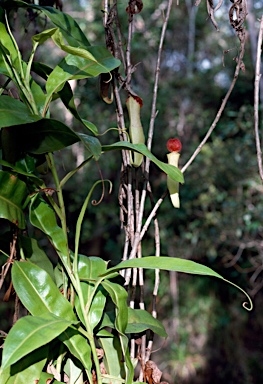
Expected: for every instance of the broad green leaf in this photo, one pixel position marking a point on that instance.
(66, 24)
(78, 346)
(26, 370)
(36, 255)
(92, 144)
(90, 267)
(43, 217)
(66, 96)
(14, 112)
(30, 333)
(170, 170)
(75, 67)
(38, 292)
(46, 135)
(13, 193)
(173, 264)
(18, 170)
(139, 320)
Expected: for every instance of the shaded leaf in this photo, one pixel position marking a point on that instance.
(36, 255)
(66, 24)
(27, 369)
(13, 193)
(139, 320)
(47, 135)
(170, 170)
(77, 345)
(30, 333)
(119, 297)
(14, 112)
(112, 358)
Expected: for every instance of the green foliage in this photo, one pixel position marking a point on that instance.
(69, 304)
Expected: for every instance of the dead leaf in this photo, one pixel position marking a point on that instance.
(135, 6)
(152, 372)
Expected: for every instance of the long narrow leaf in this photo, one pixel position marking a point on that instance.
(170, 170)
(172, 264)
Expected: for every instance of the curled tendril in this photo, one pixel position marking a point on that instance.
(95, 202)
(246, 305)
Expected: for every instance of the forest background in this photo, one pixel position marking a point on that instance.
(211, 338)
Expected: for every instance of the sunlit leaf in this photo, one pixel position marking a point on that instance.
(75, 67)
(30, 333)
(38, 293)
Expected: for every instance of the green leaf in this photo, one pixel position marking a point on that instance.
(38, 292)
(30, 333)
(67, 98)
(66, 24)
(92, 144)
(90, 267)
(96, 307)
(119, 297)
(8, 44)
(112, 359)
(26, 370)
(43, 217)
(47, 135)
(74, 67)
(13, 193)
(139, 320)
(14, 112)
(40, 38)
(36, 255)
(18, 170)
(172, 264)
(165, 263)
(78, 346)
(170, 170)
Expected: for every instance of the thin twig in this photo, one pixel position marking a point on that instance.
(156, 81)
(256, 100)
(218, 115)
